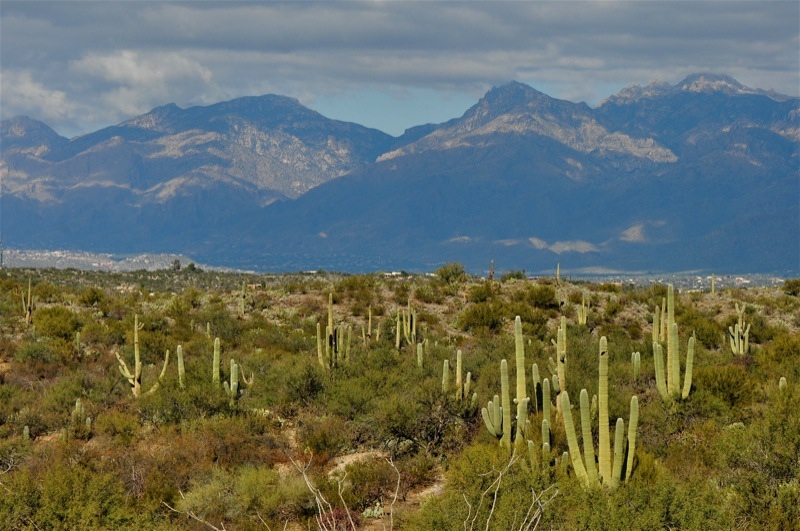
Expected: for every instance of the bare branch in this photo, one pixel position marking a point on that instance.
(191, 514)
(396, 491)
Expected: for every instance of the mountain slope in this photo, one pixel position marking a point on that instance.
(698, 175)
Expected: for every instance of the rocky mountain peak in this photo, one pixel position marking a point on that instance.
(707, 82)
(22, 132)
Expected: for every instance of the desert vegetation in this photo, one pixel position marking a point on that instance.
(203, 400)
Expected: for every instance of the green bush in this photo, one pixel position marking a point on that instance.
(542, 296)
(451, 273)
(56, 322)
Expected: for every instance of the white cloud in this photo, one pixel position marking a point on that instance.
(114, 58)
(27, 96)
(131, 83)
(634, 234)
(572, 246)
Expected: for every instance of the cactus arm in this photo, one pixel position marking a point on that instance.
(215, 364)
(671, 343)
(687, 379)
(506, 405)
(619, 453)
(546, 404)
(674, 370)
(537, 388)
(522, 417)
(588, 442)
(633, 425)
(160, 376)
(519, 347)
(181, 368)
(658, 357)
(459, 381)
(602, 403)
(572, 441)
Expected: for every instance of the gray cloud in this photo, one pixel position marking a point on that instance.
(83, 65)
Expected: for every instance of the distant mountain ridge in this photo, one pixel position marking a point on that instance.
(698, 175)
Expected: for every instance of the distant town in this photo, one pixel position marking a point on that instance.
(60, 259)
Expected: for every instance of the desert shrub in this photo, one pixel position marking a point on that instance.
(56, 321)
(486, 316)
(240, 496)
(370, 480)
(481, 292)
(91, 296)
(451, 273)
(35, 351)
(303, 382)
(324, 436)
(172, 405)
(470, 496)
(119, 425)
(707, 331)
(401, 292)
(429, 294)
(47, 292)
(72, 496)
(513, 275)
(782, 354)
(791, 286)
(730, 383)
(541, 296)
(762, 466)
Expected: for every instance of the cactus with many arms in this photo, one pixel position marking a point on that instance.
(497, 414)
(739, 334)
(135, 378)
(609, 474)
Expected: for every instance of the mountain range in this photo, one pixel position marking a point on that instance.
(701, 175)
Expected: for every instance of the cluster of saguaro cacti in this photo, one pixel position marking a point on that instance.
(665, 328)
(739, 334)
(559, 367)
(27, 305)
(135, 378)
(611, 470)
(583, 310)
(636, 364)
(233, 389)
(366, 333)
(406, 327)
(463, 386)
(337, 341)
(497, 414)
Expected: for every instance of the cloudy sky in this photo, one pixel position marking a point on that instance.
(80, 66)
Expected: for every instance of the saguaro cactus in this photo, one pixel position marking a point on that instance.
(497, 414)
(668, 377)
(583, 310)
(610, 474)
(739, 335)
(181, 368)
(215, 364)
(135, 378)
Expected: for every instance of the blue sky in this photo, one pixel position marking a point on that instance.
(80, 66)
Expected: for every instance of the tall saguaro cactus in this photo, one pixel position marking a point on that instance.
(497, 414)
(610, 473)
(668, 377)
(135, 378)
(739, 334)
